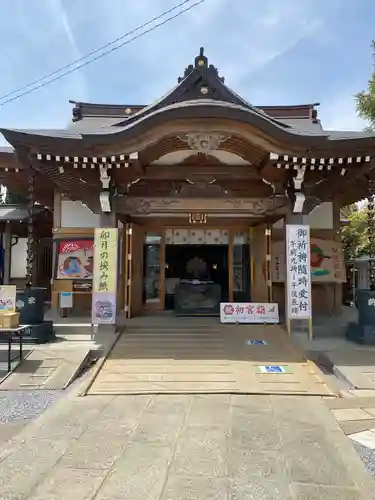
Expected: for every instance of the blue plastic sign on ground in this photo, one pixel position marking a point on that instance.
(256, 342)
(272, 369)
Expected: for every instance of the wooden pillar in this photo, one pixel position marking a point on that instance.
(57, 208)
(337, 287)
(268, 238)
(259, 253)
(7, 245)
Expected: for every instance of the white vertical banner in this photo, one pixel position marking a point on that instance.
(298, 279)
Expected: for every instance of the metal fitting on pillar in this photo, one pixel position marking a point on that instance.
(105, 195)
(299, 197)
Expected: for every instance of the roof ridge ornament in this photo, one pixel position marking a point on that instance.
(201, 60)
(201, 64)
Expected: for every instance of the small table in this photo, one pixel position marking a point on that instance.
(10, 334)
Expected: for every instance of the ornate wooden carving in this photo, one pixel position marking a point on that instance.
(204, 143)
(252, 207)
(201, 188)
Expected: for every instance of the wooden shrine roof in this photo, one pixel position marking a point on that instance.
(269, 142)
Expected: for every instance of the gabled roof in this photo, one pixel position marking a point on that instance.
(200, 94)
(76, 142)
(200, 81)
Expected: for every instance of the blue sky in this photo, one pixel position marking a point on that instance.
(270, 52)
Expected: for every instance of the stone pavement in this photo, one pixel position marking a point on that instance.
(356, 417)
(215, 447)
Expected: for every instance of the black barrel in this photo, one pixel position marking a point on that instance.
(30, 305)
(366, 307)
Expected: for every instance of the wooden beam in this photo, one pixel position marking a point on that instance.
(247, 207)
(334, 185)
(179, 172)
(136, 164)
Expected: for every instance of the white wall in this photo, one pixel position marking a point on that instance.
(18, 259)
(75, 214)
(320, 218)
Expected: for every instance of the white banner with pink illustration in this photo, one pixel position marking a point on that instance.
(249, 312)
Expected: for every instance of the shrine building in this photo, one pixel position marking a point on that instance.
(200, 185)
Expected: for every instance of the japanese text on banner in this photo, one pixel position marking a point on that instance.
(298, 271)
(105, 277)
(105, 260)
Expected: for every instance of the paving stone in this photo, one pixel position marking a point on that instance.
(95, 450)
(254, 432)
(209, 411)
(72, 420)
(123, 407)
(251, 404)
(310, 460)
(363, 393)
(68, 484)
(7, 431)
(339, 403)
(366, 438)
(371, 411)
(139, 474)
(168, 404)
(344, 415)
(159, 428)
(355, 426)
(346, 449)
(314, 492)
(201, 452)
(297, 411)
(197, 488)
(244, 463)
(260, 489)
(27, 466)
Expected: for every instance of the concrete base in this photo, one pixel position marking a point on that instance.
(47, 368)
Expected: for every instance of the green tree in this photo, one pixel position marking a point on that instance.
(354, 234)
(365, 100)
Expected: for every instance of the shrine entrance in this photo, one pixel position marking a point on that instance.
(186, 264)
(167, 263)
(191, 270)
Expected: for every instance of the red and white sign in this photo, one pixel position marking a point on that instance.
(249, 312)
(75, 259)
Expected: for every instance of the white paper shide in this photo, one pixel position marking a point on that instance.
(298, 271)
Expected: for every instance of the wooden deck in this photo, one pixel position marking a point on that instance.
(196, 355)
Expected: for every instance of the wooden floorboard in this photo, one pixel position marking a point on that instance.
(209, 358)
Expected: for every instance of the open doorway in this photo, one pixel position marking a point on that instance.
(188, 262)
